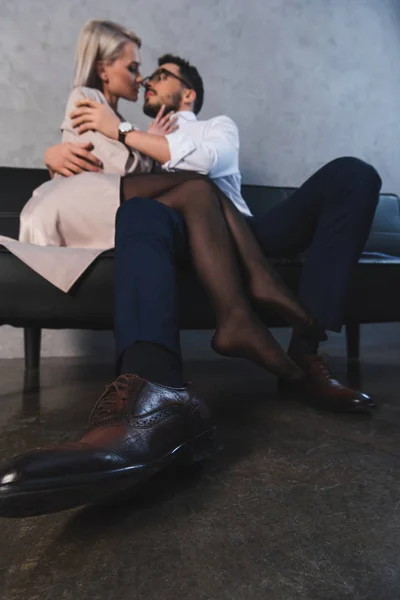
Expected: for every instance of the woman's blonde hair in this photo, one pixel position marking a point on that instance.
(99, 40)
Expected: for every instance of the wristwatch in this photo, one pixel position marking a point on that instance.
(123, 129)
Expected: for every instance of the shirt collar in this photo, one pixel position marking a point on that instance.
(187, 115)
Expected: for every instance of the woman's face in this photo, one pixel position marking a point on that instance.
(121, 78)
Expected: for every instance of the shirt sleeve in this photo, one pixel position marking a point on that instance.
(214, 155)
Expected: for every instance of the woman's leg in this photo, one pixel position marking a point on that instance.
(264, 284)
(152, 185)
(239, 332)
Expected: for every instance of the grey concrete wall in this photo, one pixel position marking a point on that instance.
(306, 81)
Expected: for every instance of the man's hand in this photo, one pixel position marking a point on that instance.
(71, 158)
(162, 125)
(94, 116)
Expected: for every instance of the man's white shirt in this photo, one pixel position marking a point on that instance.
(211, 148)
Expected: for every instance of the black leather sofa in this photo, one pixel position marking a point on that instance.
(29, 301)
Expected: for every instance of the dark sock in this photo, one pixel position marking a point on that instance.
(153, 362)
(300, 344)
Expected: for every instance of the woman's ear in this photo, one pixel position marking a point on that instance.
(102, 71)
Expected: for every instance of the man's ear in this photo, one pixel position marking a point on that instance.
(189, 97)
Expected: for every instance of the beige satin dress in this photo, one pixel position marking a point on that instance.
(70, 221)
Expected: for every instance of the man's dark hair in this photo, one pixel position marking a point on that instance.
(190, 74)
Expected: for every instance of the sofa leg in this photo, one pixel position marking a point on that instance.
(32, 343)
(353, 341)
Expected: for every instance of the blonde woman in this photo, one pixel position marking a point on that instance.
(79, 212)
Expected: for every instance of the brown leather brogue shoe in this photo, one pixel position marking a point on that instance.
(135, 429)
(321, 390)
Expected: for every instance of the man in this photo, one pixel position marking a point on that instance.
(148, 417)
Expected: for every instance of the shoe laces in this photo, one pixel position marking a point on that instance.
(111, 406)
(322, 366)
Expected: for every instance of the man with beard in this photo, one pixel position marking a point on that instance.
(148, 415)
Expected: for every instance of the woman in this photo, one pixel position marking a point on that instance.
(79, 212)
(68, 222)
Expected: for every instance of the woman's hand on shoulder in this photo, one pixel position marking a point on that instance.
(163, 124)
(72, 158)
(90, 115)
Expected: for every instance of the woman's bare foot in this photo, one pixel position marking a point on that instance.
(245, 336)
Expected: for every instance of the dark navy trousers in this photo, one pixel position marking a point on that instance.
(328, 217)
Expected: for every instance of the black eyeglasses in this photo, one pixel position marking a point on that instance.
(162, 75)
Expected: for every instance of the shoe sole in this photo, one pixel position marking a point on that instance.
(323, 404)
(40, 499)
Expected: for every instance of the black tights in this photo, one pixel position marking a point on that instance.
(212, 221)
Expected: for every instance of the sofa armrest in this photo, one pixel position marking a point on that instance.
(385, 232)
(16, 187)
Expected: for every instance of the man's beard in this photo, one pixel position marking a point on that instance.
(152, 110)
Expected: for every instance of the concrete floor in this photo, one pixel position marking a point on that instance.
(298, 505)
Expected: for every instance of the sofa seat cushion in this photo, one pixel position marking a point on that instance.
(28, 300)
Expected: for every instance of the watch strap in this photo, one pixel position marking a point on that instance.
(122, 134)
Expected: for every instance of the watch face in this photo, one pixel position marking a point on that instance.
(125, 127)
